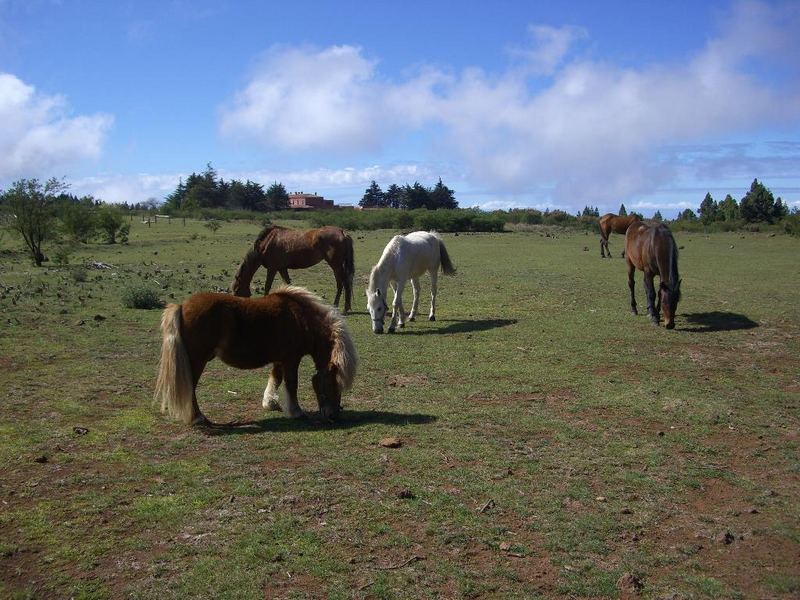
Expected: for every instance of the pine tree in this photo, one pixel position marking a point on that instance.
(622, 211)
(728, 209)
(657, 217)
(373, 196)
(708, 209)
(442, 197)
(393, 196)
(277, 198)
(758, 204)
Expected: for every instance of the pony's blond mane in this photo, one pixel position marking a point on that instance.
(343, 354)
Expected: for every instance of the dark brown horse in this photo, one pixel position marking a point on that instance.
(651, 249)
(613, 223)
(279, 249)
(248, 333)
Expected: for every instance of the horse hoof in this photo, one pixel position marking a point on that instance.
(201, 421)
(412, 319)
(391, 330)
(431, 318)
(670, 325)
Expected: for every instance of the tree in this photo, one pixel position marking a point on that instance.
(708, 210)
(728, 209)
(373, 197)
(657, 217)
(758, 204)
(622, 211)
(393, 196)
(589, 211)
(277, 198)
(32, 207)
(442, 196)
(415, 196)
(780, 210)
(110, 222)
(78, 219)
(687, 215)
(213, 225)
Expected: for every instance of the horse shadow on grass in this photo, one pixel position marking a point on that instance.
(348, 419)
(461, 326)
(718, 321)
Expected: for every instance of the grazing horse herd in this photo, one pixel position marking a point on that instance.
(282, 327)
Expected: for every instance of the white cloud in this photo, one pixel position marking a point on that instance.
(592, 133)
(300, 98)
(38, 135)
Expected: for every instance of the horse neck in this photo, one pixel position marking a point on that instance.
(381, 273)
(244, 274)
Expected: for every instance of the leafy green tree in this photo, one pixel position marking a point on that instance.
(249, 195)
(373, 197)
(277, 198)
(687, 215)
(728, 209)
(111, 223)
(780, 210)
(622, 211)
(33, 215)
(415, 196)
(442, 196)
(79, 219)
(393, 196)
(708, 209)
(758, 204)
(213, 225)
(657, 217)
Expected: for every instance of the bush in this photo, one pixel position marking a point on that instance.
(791, 224)
(79, 274)
(140, 296)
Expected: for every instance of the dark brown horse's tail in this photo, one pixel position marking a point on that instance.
(444, 258)
(349, 259)
(174, 385)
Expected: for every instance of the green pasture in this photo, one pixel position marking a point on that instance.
(551, 442)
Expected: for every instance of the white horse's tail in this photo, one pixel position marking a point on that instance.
(444, 257)
(174, 386)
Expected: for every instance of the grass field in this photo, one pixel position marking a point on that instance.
(553, 445)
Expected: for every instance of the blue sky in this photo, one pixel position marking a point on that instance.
(558, 105)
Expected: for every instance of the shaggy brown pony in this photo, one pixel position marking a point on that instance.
(248, 333)
(612, 223)
(651, 249)
(279, 249)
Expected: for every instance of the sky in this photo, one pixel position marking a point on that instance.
(512, 104)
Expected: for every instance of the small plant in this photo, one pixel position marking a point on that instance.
(213, 225)
(140, 296)
(79, 274)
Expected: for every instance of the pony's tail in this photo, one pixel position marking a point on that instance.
(444, 258)
(174, 386)
(343, 355)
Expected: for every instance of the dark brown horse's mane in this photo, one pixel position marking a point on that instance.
(265, 232)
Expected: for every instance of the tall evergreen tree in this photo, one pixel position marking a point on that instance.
(393, 196)
(728, 209)
(622, 211)
(373, 196)
(277, 198)
(442, 197)
(657, 217)
(415, 196)
(758, 204)
(708, 209)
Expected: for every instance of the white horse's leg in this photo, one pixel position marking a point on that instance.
(415, 301)
(288, 398)
(398, 316)
(434, 283)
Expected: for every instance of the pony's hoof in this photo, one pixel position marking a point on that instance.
(412, 319)
(431, 318)
(670, 325)
(201, 421)
(634, 312)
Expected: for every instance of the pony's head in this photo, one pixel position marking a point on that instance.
(377, 307)
(670, 296)
(329, 394)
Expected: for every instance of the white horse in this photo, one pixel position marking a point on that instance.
(405, 257)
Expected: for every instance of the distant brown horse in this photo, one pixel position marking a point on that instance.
(279, 249)
(651, 249)
(613, 223)
(248, 333)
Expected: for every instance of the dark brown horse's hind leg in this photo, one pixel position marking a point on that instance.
(631, 270)
(285, 276)
(603, 244)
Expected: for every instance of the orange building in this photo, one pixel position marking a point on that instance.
(303, 201)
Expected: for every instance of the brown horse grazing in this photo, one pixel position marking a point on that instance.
(651, 248)
(279, 249)
(248, 333)
(613, 223)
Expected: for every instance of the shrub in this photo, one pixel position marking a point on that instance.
(140, 296)
(79, 274)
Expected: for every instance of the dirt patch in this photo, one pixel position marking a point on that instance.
(402, 381)
(554, 398)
